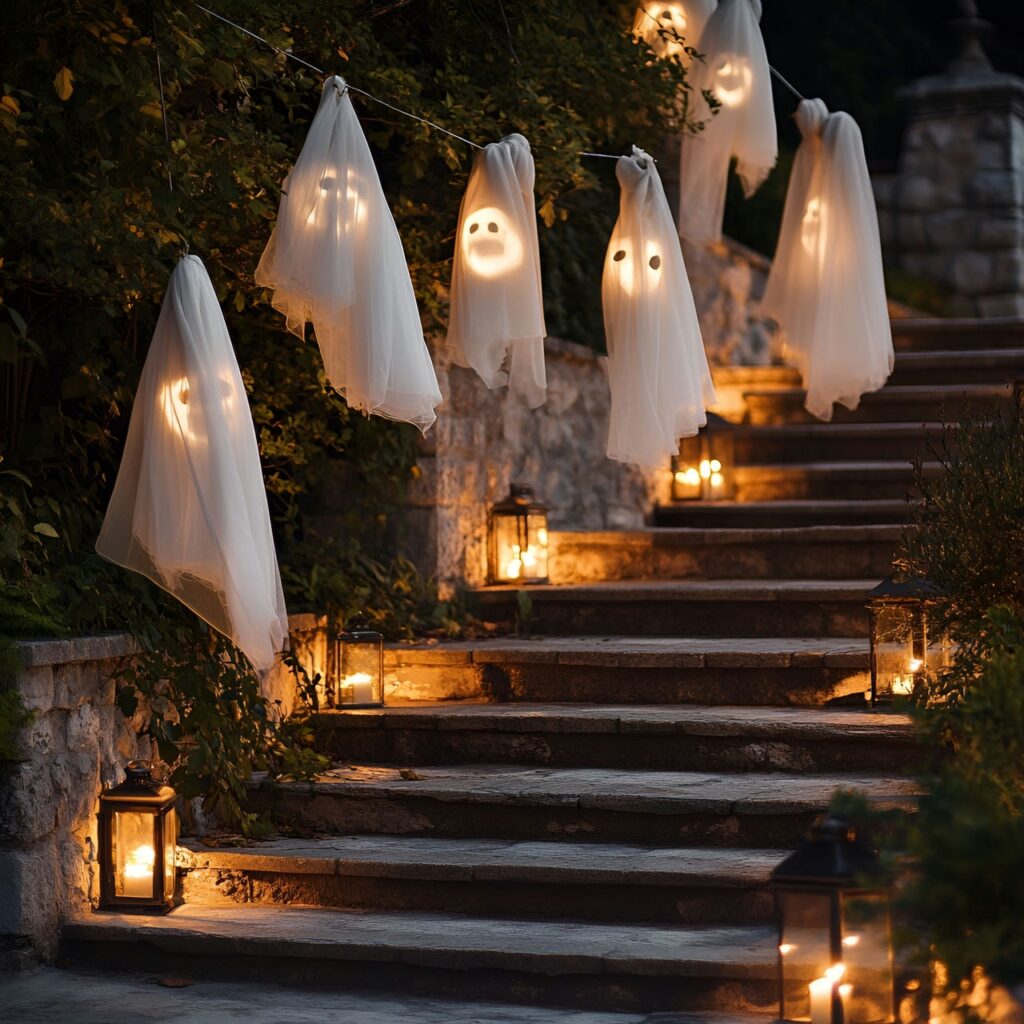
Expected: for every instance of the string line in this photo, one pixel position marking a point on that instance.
(320, 71)
(163, 106)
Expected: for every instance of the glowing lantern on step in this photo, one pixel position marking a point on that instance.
(835, 947)
(702, 470)
(901, 654)
(518, 539)
(138, 830)
(359, 665)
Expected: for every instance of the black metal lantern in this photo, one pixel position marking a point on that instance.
(518, 539)
(835, 944)
(138, 830)
(359, 665)
(901, 654)
(702, 470)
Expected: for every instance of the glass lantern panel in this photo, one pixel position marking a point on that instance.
(898, 645)
(359, 679)
(133, 849)
(867, 954)
(535, 557)
(170, 842)
(521, 547)
(687, 484)
(716, 468)
(805, 948)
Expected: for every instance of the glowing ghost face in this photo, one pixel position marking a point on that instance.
(490, 245)
(812, 227)
(636, 277)
(174, 398)
(329, 197)
(657, 24)
(731, 80)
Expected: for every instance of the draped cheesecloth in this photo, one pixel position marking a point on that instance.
(189, 508)
(657, 369)
(825, 287)
(659, 22)
(735, 69)
(496, 323)
(335, 260)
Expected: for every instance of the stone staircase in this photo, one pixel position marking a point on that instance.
(587, 815)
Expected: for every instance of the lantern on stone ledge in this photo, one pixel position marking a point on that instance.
(138, 831)
(359, 665)
(703, 468)
(901, 654)
(835, 946)
(518, 539)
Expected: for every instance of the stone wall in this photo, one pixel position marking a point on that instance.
(953, 213)
(76, 743)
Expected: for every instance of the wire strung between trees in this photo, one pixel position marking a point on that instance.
(320, 71)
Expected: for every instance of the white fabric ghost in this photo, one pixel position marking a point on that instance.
(657, 368)
(189, 507)
(496, 323)
(657, 24)
(335, 260)
(825, 287)
(735, 69)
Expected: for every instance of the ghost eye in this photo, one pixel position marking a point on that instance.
(619, 256)
(473, 228)
(327, 183)
(492, 227)
(654, 262)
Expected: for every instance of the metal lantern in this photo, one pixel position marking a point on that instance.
(835, 945)
(138, 830)
(901, 654)
(359, 665)
(518, 539)
(703, 468)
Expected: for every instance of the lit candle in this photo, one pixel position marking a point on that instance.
(138, 873)
(358, 688)
(821, 990)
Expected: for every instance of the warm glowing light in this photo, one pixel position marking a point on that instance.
(688, 476)
(732, 81)
(542, 536)
(632, 278)
(915, 665)
(355, 205)
(356, 688)
(174, 398)
(821, 990)
(657, 23)
(851, 940)
(490, 244)
(705, 468)
(786, 948)
(717, 479)
(140, 862)
(716, 466)
(811, 226)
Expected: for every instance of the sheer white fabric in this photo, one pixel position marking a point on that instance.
(496, 323)
(825, 287)
(659, 23)
(657, 368)
(335, 260)
(189, 508)
(735, 69)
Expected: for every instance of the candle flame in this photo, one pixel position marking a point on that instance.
(140, 862)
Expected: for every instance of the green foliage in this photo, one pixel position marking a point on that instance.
(96, 206)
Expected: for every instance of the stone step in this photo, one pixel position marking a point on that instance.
(736, 608)
(828, 480)
(918, 403)
(719, 738)
(967, 334)
(630, 670)
(834, 442)
(501, 878)
(960, 366)
(592, 556)
(779, 514)
(606, 966)
(748, 809)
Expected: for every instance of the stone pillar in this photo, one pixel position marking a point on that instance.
(954, 211)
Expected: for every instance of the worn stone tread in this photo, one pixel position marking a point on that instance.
(846, 467)
(899, 392)
(699, 590)
(686, 719)
(493, 860)
(996, 358)
(444, 940)
(614, 789)
(681, 536)
(640, 652)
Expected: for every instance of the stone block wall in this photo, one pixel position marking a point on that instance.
(76, 743)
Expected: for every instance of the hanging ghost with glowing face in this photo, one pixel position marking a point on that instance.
(496, 323)
(189, 508)
(657, 369)
(335, 260)
(669, 27)
(825, 287)
(735, 70)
